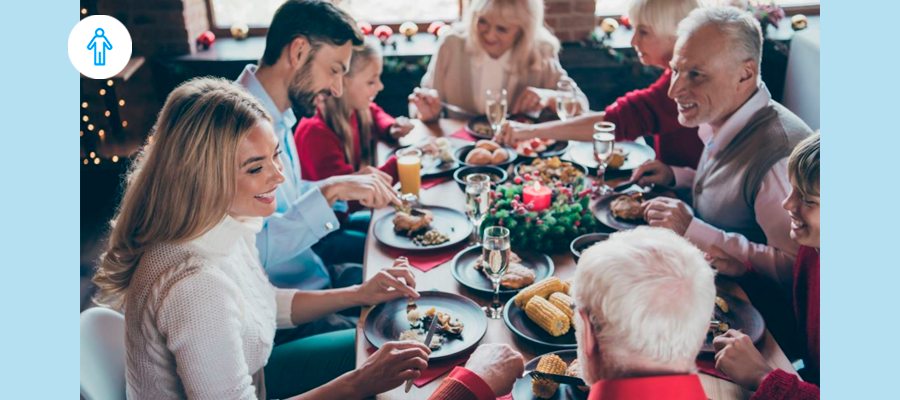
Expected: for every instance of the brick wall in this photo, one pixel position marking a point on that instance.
(571, 20)
(160, 27)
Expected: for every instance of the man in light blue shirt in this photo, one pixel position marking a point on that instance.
(307, 54)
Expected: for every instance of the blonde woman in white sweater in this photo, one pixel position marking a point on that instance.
(182, 263)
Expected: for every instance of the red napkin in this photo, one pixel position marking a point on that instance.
(426, 260)
(708, 366)
(435, 369)
(464, 135)
(429, 183)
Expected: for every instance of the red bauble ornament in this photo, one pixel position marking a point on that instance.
(365, 28)
(383, 33)
(433, 28)
(206, 39)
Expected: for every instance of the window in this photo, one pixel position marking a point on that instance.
(619, 7)
(258, 13)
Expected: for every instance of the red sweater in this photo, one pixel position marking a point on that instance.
(782, 385)
(651, 111)
(321, 151)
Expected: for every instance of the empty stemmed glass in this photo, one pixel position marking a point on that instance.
(495, 259)
(495, 108)
(604, 146)
(478, 200)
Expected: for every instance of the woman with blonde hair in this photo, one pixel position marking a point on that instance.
(200, 313)
(640, 112)
(501, 44)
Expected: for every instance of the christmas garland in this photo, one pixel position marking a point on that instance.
(549, 230)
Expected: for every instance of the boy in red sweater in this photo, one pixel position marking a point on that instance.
(736, 356)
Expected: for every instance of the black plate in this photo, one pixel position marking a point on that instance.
(529, 161)
(522, 387)
(460, 155)
(603, 212)
(582, 242)
(583, 153)
(464, 271)
(557, 149)
(741, 315)
(526, 329)
(387, 320)
(470, 126)
(448, 221)
(498, 175)
(433, 167)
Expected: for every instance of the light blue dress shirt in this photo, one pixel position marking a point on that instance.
(303, 215)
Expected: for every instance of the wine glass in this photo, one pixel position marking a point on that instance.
(566, 101)
(604, 146)
(495, 255)
(495, 108)
(478, 200)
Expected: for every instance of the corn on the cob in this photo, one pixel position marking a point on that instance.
(543, 289)
(563, 303)
(547, 316)
(551, 364)
(723, 305)
(567, 286)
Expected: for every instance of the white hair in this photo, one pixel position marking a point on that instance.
(649, 294)
(661, 15)
(742, 31)
(536, 42)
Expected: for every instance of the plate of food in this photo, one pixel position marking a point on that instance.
(561, 362)
(525, 267)
(552, 170)
(628, 156)
(542, 314)
(481, 128)
(461, 323)
(423, 228)
(485, 152)
(534, 148)
(733, 313)
(623, 211)
(440, 164)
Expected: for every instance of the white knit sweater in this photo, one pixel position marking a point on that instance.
(201, 318)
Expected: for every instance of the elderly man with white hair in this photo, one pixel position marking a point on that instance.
(643, 300)
(738, 186)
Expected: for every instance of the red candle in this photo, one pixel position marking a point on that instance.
(538, 196)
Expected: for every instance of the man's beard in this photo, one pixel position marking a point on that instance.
(301, 93)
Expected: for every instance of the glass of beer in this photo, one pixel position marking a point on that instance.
(496, 107)
(409, 167)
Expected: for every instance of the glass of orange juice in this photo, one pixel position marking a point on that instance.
(409, 166)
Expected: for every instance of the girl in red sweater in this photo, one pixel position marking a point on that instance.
(736, 356)
(339, 139)
(641, 112)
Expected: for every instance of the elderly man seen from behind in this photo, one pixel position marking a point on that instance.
(741, 179)
(643, 299)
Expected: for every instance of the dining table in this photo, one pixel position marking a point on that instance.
(448, 194)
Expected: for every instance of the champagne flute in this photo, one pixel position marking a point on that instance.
(478, 201)
(566, 101)
(604, 146)
(495, 255)
(495, 108)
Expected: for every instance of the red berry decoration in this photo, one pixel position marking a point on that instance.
(520, 211)
(517, 180)
(577, 222)
(517, 197)
(528, 177)
(527, 220)
(540, 222)
(493, 211)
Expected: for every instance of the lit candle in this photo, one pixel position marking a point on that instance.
(538, 196)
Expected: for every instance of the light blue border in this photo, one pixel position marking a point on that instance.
(39, 174)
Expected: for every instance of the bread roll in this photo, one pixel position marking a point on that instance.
(478, 157)
(499, 157)
(488, 145)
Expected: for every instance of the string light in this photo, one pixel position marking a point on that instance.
(106, 113)
(93, 154)
(103, 92)
(84, 11)
(80, 133)
(101, 133)
(85, 161)
(109, 82)
(115, 159)
(84, 105)
(91, 127)
(121, 102)
(84, 118)
(96, 161)
(124, 123)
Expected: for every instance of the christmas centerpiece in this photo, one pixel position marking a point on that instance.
(542, 215)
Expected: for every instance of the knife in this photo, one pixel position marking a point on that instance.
(568, 380)
(427, 344)
(623, 186)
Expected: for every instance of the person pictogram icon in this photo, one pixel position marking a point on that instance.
(99, 43)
